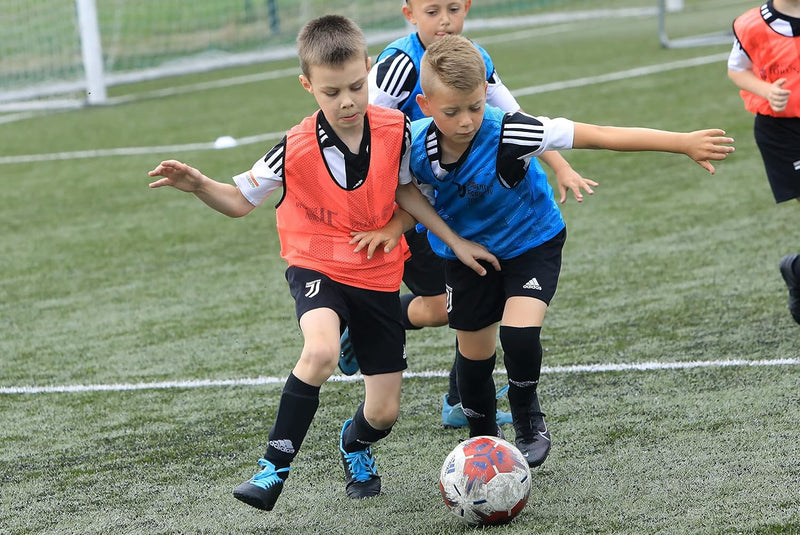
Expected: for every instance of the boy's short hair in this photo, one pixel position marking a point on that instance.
(330, 40)
(455, 61)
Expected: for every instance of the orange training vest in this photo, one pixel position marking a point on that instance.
(316, 215)
(774, 56)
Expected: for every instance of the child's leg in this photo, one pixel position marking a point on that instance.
(296, 409)
(522, 347)
(520, 338)
(530, 282)
(375, 417)
(378, 337)
(452, 411)
(320, 354)
(372, 421)
(475, 360)
(382, 399)
(300, 397)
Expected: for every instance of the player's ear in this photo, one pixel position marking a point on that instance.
(369, 63)
(485, 88)
(409, 15)
(424, 107)
(467, 5)
(306, 83)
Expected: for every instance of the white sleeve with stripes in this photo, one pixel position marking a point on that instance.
(264, 177)
(390, 81)
(525, 137)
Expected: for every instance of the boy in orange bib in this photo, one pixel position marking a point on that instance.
(341, 170)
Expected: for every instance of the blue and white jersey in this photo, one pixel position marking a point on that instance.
(394, 80)
(493, 195)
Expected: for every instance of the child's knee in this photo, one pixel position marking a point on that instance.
(382, 415)
(320, 356)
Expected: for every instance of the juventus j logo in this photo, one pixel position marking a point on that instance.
(449, 297)
(312, 288)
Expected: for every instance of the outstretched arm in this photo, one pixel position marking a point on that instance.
(224, 198)
(701, 145)
(415, 203)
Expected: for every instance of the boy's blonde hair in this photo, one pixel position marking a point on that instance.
(455, 62)
(330, 40)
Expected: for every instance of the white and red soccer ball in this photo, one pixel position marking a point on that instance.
(485, 481)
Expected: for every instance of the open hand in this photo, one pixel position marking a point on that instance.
(571, 180)
(470, 252)
(705, 145)
(178, 175)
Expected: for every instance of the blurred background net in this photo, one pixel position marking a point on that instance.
(40, 42)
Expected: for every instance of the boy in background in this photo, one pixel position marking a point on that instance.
(394, 83)
(764, 63)
(341, 170)
(477, 159)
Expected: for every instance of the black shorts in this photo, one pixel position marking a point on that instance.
(376, 329)
(778, 139)
(475, 302)
(424, 271)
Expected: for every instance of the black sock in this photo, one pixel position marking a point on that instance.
(453, 397)
(476, 385)
(405, 300)
(522, 350)
(298, 404)
(359, 434)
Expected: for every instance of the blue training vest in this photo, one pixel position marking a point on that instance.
(472, 200)
(412, 46)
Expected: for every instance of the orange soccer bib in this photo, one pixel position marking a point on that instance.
(316, 215)
(774, 56)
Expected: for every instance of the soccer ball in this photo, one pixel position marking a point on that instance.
(485, 481)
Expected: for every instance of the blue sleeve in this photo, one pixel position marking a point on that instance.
(487, 60)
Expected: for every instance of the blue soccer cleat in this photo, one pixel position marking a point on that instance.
(347, 355)
(360, 473)
(263, 489)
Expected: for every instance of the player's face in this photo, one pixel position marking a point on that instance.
(341, 92)
(458, 114)
(436, 18)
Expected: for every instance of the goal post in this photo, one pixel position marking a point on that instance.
(695, 23)
(91, 51)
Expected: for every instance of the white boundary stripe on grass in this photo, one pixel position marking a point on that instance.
(259, 381)
(134, 151)
(260, 138)
(621, 75)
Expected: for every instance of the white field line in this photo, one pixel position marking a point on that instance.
(260, 381)
(260, 138)
(621, 75)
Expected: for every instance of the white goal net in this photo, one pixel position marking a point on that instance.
(65, 53)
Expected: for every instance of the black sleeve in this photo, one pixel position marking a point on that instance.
(520, 138)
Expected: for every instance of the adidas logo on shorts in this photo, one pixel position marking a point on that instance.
(532, 284)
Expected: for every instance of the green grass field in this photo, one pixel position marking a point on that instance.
(108, 284)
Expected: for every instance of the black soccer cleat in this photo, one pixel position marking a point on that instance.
(262, 490)
(532, 437)
(789, 274)
(361, 476)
